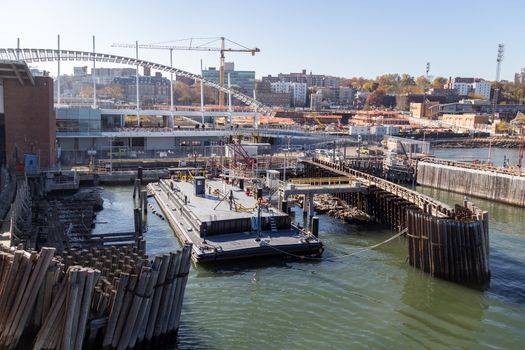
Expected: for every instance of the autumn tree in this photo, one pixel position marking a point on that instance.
(111, 91)
(439, 83)
(375, 98)
(422, 81)
(407, 80)
(370, 86)
(86, 91)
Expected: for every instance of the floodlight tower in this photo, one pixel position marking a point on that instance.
(501, 51)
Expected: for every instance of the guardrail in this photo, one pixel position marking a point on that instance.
(427, 204)
(322, 181)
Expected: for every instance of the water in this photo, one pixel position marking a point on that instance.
(372, 300)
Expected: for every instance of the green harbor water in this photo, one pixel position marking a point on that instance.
(371, 300)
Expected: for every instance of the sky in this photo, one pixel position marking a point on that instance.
(336, 37)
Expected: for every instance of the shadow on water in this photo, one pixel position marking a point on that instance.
(508, 278)
(431, 306)
(235, 267)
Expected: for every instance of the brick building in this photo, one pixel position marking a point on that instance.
(27, 116)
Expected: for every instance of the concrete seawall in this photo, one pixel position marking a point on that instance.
(497, 186)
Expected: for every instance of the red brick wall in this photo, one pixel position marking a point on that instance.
(30, 122)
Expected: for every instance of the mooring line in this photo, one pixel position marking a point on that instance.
(305, 257)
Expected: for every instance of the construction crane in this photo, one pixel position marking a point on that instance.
(501, 51)
(199, 44)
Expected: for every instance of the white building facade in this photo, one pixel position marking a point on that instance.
(464, 86)
(298, 90)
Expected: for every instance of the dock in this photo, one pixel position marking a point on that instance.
(477, 180)
(224, 223)
(451, 243)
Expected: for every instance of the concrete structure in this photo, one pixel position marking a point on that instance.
(424, 110)
(243, 81)
(495, 184)
(298, 91)
(467, 121)
(27, 116)
(466, 86)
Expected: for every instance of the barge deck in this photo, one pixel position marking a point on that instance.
(222, 222)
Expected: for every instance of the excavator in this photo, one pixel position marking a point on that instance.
(319, 126)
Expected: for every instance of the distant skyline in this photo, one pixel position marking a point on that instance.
(340, 38)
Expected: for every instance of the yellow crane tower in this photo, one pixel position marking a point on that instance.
(198, 44)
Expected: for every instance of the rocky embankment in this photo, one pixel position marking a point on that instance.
(477, 143)
(339, 209)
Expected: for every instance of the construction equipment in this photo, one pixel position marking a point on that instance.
(199, 44)
(242, 165)
(318, 125)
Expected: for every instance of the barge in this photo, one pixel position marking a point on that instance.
(224, 222)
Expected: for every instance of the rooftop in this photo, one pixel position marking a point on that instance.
(16, 70)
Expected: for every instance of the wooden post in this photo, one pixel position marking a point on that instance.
(144, 195)
(315, 227)
(137, 188)
(139, 174)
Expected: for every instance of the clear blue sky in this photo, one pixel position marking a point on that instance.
(338, 37)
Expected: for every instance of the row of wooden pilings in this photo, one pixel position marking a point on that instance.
(449, 243)
(106, 297)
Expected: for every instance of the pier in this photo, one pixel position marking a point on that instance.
(450, 243)
(477, 180)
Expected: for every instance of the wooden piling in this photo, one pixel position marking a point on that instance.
(125, 298)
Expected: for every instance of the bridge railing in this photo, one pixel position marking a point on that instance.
(428, 204)
(318, 181)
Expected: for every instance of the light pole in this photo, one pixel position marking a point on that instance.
(286, 159)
